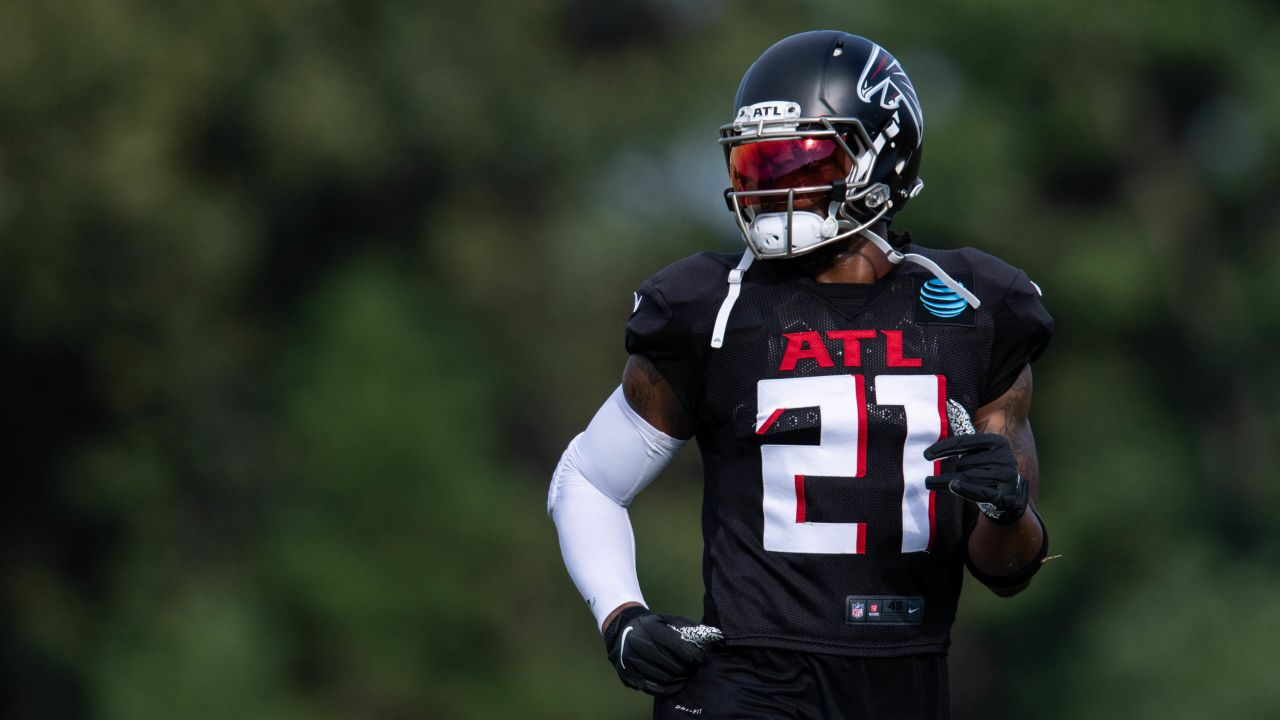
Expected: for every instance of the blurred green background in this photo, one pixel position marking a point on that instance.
(301, 300)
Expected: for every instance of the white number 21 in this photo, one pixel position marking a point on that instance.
(842, 452)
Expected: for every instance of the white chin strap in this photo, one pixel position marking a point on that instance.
(896, 257)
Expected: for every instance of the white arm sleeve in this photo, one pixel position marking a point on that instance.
(598, 476)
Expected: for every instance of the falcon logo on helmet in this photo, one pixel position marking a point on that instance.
(883, 74)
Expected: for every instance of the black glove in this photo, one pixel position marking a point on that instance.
(986, 472)
(649, 653)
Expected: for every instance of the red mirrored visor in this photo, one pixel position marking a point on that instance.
(784, 164)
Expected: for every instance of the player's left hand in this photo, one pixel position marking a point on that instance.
(986, 472)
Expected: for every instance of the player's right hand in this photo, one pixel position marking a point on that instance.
(648, 651)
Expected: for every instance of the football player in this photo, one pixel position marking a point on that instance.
(860, 403)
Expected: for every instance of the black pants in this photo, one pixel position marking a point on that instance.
(742, 682)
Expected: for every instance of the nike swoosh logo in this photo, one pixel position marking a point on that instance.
(638, 297)
(622, 648)
(911, 610)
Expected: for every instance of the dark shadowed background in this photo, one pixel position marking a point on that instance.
(301, 300)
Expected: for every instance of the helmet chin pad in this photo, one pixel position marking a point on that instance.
(768, 233)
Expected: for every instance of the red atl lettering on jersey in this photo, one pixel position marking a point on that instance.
(809, 345)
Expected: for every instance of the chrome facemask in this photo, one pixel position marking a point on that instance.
(791, 233)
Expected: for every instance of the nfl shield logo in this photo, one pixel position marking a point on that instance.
(856, 612)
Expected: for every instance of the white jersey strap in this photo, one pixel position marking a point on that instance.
(735, 289)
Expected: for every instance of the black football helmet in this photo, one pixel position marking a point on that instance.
(825, 143)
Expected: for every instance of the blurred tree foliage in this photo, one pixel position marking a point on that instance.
(300, 301)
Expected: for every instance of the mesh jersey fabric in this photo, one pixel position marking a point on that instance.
(797, 600)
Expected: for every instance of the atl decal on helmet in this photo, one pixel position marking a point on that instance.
(941, 300)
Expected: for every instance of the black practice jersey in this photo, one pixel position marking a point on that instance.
(812, 419)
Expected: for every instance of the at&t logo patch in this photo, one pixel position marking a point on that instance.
(937, 304)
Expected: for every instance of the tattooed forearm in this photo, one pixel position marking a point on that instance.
(997, 550)
(651, 396)
(1009, 416)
